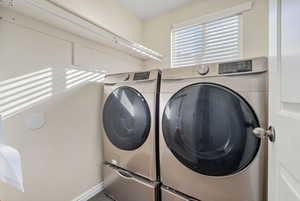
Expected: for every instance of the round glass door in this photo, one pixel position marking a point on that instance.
(126, 118)
(208, 128)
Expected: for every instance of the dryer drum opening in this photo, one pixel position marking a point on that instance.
(208, 128)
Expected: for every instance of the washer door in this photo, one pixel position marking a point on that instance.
(126, 118)
(208, 128)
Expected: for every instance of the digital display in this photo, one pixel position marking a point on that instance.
(141, 76)
(235, 67)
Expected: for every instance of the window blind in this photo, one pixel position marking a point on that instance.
(214, 41)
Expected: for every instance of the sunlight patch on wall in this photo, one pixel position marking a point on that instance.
(23, 91)
(17, 94)
(76, 77)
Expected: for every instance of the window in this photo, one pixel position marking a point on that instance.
(214, 41)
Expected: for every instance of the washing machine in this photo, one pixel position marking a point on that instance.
(207, 147)
(129, 122)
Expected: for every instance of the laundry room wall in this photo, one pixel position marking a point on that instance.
(157, 31)
(109, 14)
(43, 73)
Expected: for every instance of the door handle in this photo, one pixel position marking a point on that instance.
(265, 133)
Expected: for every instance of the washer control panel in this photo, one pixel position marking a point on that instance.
(141, 76)
(117, 78)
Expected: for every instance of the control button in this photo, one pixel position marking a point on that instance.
(203, 69)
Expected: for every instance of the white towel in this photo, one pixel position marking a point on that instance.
(10, 164)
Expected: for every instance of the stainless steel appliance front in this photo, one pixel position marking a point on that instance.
(207, 148)
(121, 185)
(129, 121)
(168, 194)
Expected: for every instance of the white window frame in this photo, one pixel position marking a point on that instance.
(234, 11)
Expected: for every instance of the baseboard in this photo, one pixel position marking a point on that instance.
(90, 193)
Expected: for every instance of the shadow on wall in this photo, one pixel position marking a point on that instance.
(19, 93)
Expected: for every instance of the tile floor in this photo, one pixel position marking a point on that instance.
(100, 197)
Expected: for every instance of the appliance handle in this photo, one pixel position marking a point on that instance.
(129, 176)
(124, 174)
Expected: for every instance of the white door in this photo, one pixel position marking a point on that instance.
(284, 153)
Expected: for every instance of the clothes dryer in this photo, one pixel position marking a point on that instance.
(207, 147)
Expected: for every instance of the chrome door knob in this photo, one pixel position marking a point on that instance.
(263, 133)
(203, 69)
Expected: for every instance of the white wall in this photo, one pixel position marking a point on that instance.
(63, 158)
(109, 14)
(255, 27)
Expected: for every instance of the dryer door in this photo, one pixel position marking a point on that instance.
(208, 128)
(126, 118)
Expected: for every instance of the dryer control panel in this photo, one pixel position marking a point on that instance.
(239, 67)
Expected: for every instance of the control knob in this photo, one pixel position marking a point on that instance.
(203, 69)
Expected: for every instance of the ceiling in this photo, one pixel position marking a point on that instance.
(146, 9)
